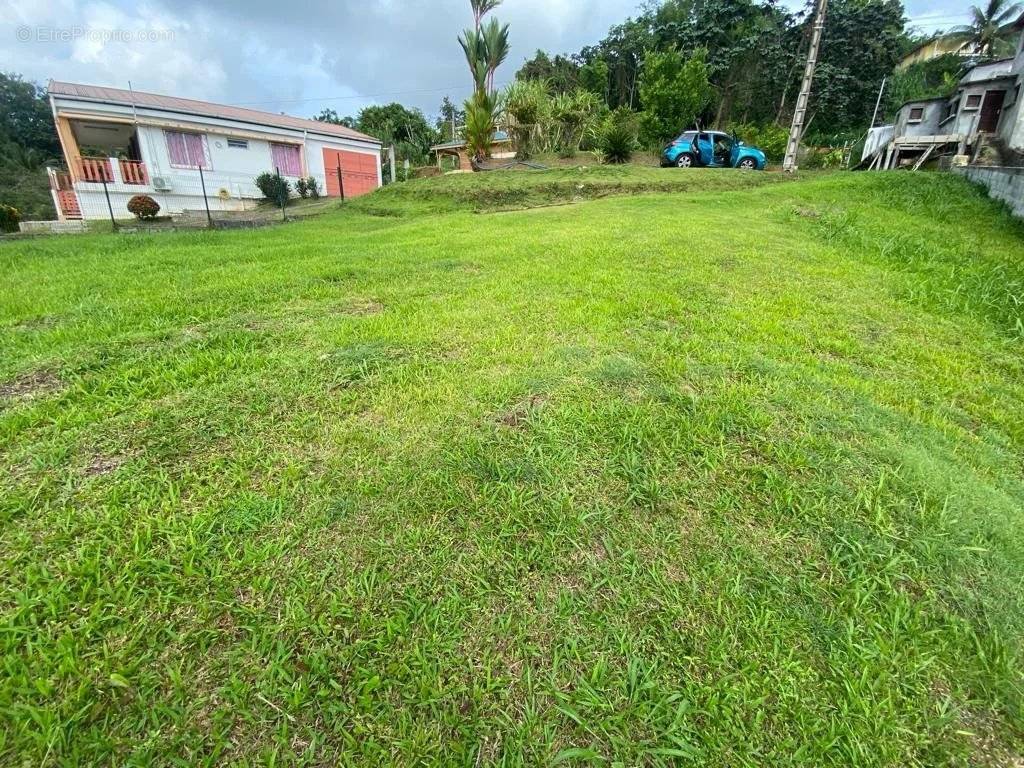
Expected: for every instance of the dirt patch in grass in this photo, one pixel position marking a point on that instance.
(103, 465)
(518, 416)
(32, 384)
(361, 308)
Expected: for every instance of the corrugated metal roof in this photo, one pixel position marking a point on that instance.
(204, 108)
(498, 138)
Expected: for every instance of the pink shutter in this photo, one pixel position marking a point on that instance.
(286, 159)
(196, 150)
(176, 148)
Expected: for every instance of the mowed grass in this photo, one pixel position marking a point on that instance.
(719, 477)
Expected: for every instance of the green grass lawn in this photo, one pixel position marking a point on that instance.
(729, 475)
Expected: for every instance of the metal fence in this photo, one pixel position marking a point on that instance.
(102, 190)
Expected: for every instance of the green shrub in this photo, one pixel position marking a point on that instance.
(770, 139)
(617, 138)
(302, 187)
(313, 188)
(274, 188)
(143, 207)
(9, 218)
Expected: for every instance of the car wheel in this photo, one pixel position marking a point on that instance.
(684, 161)
(747, 164)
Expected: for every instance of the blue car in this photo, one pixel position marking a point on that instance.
(712, 149)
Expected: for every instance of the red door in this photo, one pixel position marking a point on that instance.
(991, 108)
(358, 172)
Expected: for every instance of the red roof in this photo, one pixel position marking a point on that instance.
(205, 108)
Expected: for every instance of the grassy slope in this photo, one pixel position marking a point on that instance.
(735, 474)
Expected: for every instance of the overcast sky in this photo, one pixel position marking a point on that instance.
(298, 57)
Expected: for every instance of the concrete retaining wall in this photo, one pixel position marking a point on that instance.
(1006, 184)
(52, 227)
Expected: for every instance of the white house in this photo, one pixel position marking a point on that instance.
(171, 148)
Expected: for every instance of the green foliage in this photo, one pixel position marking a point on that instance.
(394, 124)
(482, 112)
(485, 47)
(573, 115)
(313, 188)
(991, 27)
(559, 74)
(673, 92)
(617, 137)
(28, 141)
(449, 117)
(143, 207)
(860, 46)
(9, 218)
(526, 114)
(771, 138)
(330, 116)
(593, 77)
(274, 187)
(302, 188)
(25, 116)
(922, 80)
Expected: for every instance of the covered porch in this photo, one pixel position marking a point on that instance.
(98, 151)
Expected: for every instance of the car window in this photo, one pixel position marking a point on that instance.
(688, 136)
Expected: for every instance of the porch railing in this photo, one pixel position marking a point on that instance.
(133, 172)
(95, 169)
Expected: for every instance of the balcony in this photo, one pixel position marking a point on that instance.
(133, 172)
(101, 169)
(95, 169)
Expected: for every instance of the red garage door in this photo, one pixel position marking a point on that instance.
(358, 172)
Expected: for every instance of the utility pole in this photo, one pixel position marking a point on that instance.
(797, 129)
(878, 103)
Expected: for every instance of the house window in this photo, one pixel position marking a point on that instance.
(238, 144)
(973, 101)
(916, 115)
(286, 158)
(187, 150)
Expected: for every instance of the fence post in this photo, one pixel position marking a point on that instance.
(391, 161)
(341, 179)
(282, 197)
(206, 200)
(113, 221)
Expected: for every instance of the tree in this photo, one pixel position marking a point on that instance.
(861, 45)
(25, 116)
(407, 129)
(526, 113)
(923, 80)
(673, 91)
(448, 118)
(593, 76)
(485, 48)
(330, 116)
(989, 25)
(623, 53)
(28, 141)
(559, 74)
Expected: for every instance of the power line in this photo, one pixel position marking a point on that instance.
(365, 97)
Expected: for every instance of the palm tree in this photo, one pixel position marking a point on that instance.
(485, 47)
(495, 47)
(988, 26)
(481, 8)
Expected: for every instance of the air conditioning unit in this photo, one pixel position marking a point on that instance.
(159, 182)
